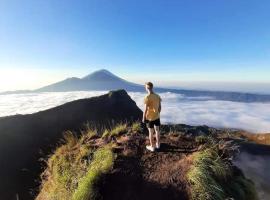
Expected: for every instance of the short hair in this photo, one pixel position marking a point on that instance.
(149, 85)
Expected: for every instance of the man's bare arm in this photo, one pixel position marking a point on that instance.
(144, 113)
(159, 108)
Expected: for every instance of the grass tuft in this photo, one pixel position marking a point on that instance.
(207, 167)
(73, 169)
(201, 139)
(106, 133)
(118, 130)
(102, 163)
(136, 127)
(212, 177)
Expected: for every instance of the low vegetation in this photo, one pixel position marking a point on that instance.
(117, 130)
(101, 164)
(73, 170)
(258, 138)
(213, 177)
(76, 168)
(136, 127)
(76, 165)
(202, 139)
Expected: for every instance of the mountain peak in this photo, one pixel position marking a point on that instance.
(103, 71)
(101, 74)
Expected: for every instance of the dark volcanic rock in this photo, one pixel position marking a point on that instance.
(24, 137)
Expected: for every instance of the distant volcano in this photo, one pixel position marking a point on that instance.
(103, 80)
(98, 80)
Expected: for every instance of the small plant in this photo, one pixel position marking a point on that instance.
(136, 127)
(106, 133)
(118, 130)
(89, 131)
(201, 139)
(70, 139)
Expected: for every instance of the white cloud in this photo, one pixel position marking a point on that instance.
(176, 108)
(33, 102)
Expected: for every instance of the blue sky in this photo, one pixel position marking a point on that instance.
(167, 41)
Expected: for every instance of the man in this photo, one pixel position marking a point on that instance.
(151, 116)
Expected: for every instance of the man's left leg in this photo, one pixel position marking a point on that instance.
(151, 136)
(150, 127)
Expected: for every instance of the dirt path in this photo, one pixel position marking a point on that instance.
(140, 174)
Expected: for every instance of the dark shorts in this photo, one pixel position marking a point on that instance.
(151, 124)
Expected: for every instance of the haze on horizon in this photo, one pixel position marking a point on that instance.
(216, 45)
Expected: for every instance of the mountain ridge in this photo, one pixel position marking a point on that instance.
(27, 138)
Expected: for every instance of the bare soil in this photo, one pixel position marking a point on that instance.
(141, 174)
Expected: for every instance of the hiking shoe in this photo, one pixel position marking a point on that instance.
(157, 145)
(150, 148)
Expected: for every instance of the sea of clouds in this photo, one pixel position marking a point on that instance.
(176, 108)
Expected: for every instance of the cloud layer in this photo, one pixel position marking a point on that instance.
(176, 108)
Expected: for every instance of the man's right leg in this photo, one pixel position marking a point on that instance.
(150, 127)
(151, 136)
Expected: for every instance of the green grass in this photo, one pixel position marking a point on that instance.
(64, 167)
(207, 166)
(201, 139)
(73, 169)
(102, 163)
(136, 127)
(106, 133)
(212, 178)
(117, 130)
(89, 131)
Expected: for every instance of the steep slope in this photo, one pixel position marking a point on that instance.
(26, 138)
(254, 161)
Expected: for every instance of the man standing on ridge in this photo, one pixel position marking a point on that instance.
(151, 116)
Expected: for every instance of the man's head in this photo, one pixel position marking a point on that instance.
(149, 86)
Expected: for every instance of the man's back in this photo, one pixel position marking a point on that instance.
(152, 102)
